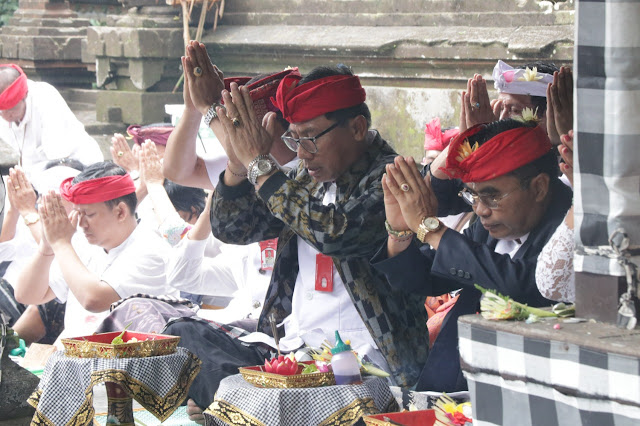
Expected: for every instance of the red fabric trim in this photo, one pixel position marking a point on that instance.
(263, 90)
(498, 156)
(300, 103)
(97, 190)
(16, 90)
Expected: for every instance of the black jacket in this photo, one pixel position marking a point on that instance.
(461, 261)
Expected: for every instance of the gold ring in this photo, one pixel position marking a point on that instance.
(120, 153)
(197, 71)
(236, 122)
(405, 187)
(16, 188)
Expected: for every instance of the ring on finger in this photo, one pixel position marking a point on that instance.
(120, 153)
(16, 188)
(197, 71)
(476, 105)
(405, 187)
(236, 122)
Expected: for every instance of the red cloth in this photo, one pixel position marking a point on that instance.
(263, 90)
(499, 155)
(157, 133)
(437, 308)
(16, 90)
(434, 138)
(97, 190)
(303, 102)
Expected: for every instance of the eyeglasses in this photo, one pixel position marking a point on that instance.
(490, 201)
(307, 143)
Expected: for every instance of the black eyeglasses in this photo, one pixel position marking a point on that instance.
(307, 143)
(491, 201)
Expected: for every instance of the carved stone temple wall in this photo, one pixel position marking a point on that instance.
(413, 56)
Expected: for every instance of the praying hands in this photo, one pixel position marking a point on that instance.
(408, 199)
(58, 227)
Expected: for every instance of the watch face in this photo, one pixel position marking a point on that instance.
(264, 166)
(431, 223)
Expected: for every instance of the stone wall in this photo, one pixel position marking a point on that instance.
(413, 56)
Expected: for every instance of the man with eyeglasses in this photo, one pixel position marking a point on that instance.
(507, 173)
(328, 215)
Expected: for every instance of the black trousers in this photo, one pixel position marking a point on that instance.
(219, 350)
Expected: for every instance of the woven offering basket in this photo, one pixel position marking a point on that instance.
(99, 345)
(258, 377)
(405, 418)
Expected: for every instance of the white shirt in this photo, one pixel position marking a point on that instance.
(48, 131)
(510, 247)
(18, 251)
(316, 315)
(235, 273)
(135, 266)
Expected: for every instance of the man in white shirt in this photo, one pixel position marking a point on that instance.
(38, 124)
(115, 259)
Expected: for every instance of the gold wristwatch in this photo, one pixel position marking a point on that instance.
(31, 218)
(428, 224)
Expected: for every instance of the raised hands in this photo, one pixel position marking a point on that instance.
(122, 155)
(21, 195)
(408, 197)
(560, 105)
(475, 107)
(243, 130)
(566, 152)
(150, 165)
(204, 80)
(58, 227)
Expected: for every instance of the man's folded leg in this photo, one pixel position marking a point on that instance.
(220, 351)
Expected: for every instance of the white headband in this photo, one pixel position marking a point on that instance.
(518, 81)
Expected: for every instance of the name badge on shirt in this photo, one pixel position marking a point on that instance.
(268, 254)
(324, 273)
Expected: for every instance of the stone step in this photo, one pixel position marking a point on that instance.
(470, 19)
(355, 7)
(79, 96)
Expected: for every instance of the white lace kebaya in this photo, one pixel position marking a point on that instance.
(554, 272)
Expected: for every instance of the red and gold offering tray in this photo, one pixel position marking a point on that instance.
(405, 418)
(100, 346)
(257, 376)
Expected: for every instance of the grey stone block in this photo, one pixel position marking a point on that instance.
(135, 107)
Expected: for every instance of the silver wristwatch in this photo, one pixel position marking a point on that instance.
(260, 166)
(211, 113)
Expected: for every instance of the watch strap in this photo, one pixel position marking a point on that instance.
(253, 173)
(211, 113)
(423, 231)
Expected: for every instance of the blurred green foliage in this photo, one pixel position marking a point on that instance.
(7, 7)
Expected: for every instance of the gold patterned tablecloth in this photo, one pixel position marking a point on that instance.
(65, 393)
(238, 402)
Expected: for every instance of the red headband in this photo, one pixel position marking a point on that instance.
(97, 190)
(435, 138)
(303, 102)
(263, 90)
(499, 155)
(16, 90)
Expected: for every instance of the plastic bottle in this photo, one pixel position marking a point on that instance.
(344, 363)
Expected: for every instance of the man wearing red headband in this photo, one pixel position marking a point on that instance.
(116, 258)
(507, 173)
(38, 124)
(328, 216)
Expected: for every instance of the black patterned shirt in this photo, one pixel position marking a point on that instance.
(350, 231)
